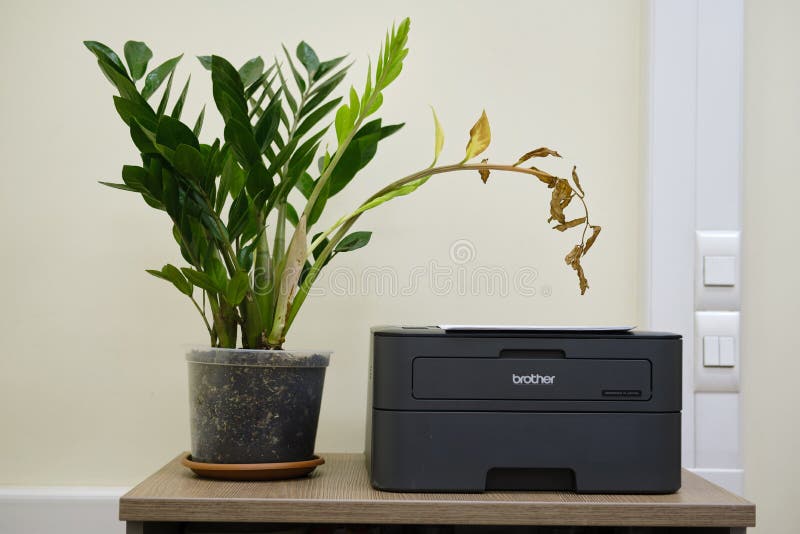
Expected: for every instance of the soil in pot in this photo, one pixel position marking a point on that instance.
(254, 406)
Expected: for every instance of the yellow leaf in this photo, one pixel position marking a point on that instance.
(484, 172)
(438, 142)
(479, 138)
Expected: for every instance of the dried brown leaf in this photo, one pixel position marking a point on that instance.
(573, 259)
(484, 172)
(545, 177)
(541, 152)
(562, 195)
(577, 181)
(573, 255)
(589, 242)
(570, 224)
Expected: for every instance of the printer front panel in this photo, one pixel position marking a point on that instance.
(537, 373)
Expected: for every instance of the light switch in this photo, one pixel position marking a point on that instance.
(719, 271)
(711, 351)
(727, 353)
(716, 279)
(716, 360)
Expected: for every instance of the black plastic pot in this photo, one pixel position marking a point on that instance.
(254, 406)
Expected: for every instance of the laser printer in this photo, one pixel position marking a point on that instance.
(463, 410)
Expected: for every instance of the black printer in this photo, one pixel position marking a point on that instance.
(474, 410)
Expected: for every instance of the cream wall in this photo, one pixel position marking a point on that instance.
(92, 378)
(771, 287)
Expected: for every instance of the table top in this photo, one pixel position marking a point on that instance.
(340, 492)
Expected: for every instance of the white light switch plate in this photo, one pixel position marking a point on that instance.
(717, 277)
(719, 324)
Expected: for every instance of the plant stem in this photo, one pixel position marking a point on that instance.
(203, 315)
(346, 222)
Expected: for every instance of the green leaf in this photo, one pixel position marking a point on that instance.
(259, 180)
(205, 61)
(216, 271)
(353, 241)
(140, 137)
(308, 58)
(234, 176)
(344, 123)
(124, 85)
(319, 206)
(137, 55)
(291, 213)
(123, 187)
(178, 108)
(241, 139)
(327, 66)
(237, 288)
(399, 192)
(298, 78)
(238, 215)
(228, 90)
(188, 161)
(139, 110)
(200, 279)
(162, 105)
(171, 273)
(288, 94)
(251, 71)
(104, 53)
(156, 77)
(198, 124)
(172, 132)
(267, 125)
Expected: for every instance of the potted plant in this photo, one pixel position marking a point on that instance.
(242, 211)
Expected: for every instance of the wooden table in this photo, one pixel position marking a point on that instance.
(174, 500)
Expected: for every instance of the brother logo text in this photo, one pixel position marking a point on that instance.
(533, 379)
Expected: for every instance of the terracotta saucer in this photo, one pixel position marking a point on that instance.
(269, 471)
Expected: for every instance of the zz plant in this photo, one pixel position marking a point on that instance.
(232, 202)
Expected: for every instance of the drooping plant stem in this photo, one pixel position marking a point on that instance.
(345, 223)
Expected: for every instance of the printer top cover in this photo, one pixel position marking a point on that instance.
(427, 368)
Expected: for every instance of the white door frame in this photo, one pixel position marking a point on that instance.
(694, 67)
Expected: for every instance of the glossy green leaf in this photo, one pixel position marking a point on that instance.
(198, 124)
(162, 104)
(138, 110)
(353, 241)
(234, 176)
(241, 139)
(171, 274)
(308, 58)
(259, 180)
(314, 118)
(172, 132)
(251, 71)
(267, 125)
(156, 77)
(122, 187)
(137, 55)
(238, 216)
(327, 66)
(237, 288)
(205, 61)
(177, 110)
(298, 78)
(104, 53)
(201, 280)
(188, 161)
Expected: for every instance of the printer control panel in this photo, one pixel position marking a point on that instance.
(562, 379)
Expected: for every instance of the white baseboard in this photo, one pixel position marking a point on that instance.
(60, 510)
(730, 479)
